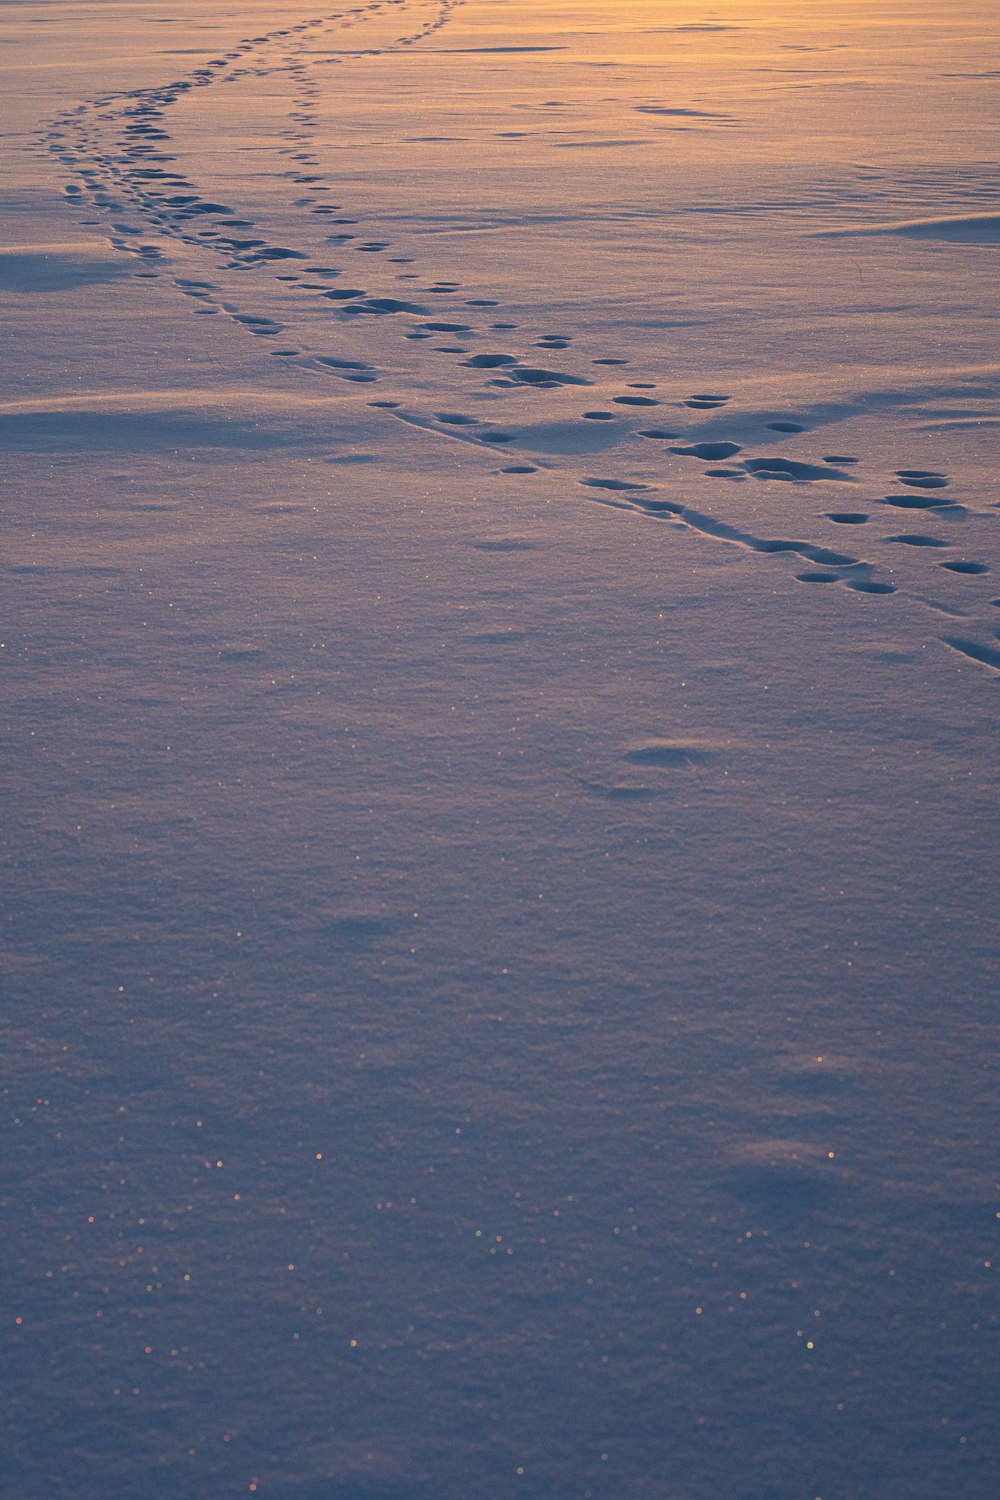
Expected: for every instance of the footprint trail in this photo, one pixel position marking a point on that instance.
(125, 168)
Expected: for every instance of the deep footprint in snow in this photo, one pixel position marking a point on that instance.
(613, 484)
(987, 656)
(490, 361)
(332, 363)
(542, 379)
(918, 539)
(668, 755)
(973, 568)
(710, 452)
(916, 502)
(922, 479)
(706, 403)
(790, 469)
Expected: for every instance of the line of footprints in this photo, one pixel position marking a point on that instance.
(121, 157)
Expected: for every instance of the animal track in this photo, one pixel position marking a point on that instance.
(121, 156)
(922, 479)
(918, 539)
(710, 451)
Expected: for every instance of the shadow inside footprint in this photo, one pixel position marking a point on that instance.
(922, 479)
(525, 375)
(791, 469)
(918, 539)
(915, 502)
(668, 755)
(612, 484)
(490, 361)
(711, 452)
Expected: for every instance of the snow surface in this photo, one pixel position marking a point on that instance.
(500, 750)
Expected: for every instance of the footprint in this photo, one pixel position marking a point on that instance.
(658, 509)
(391, 305)
(988, 656)
(613, 484)
(668, 755)
(918, 539)
(791, 469)
(785, 427)
(914, 502)
(975, 568)
(278, 252)
(818, 577)
(848, 517)
(712, 452)
(922, 479)
(524, 375)
(340, 364)
(490, 361)
(263, 327)
(506, 544)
